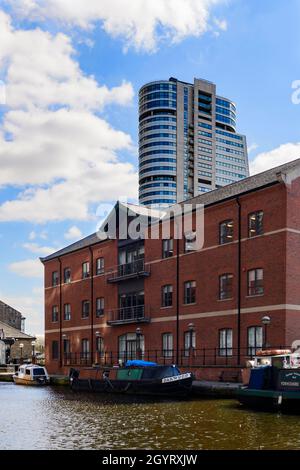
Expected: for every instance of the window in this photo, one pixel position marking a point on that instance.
(85, 309)
(226, 286)
(85, 348)
(255, 339)
(225, 342)
(190, 292)
(100, 345)
(256, 282)
(67, 312)
(55, 350)
(100, 266)
(55, 278)
(226, 232)
(189, 242)
(256, 224)
(67, 275)
(85, 270)
(55, 313)
(167, 344)
(167, 248)
(189, 342)
(167, 296)
(66, 346)
(100, 307)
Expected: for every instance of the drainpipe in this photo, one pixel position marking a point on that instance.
(239, 290)
(177, 300)
(92, 301)
(60, 314)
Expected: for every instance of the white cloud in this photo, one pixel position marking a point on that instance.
(42, 71)
(31, 268)
(278, 156)
(74, 233)
(53, 145)
(60, 144)
(141, 24)
(32, 236)
(252, 147)
(221, 24)
(39, 250)
(71, 199)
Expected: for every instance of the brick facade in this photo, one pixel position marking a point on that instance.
(275, 251)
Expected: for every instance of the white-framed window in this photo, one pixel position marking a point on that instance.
(55, 313)
(55, 278)
(225, 342)
(67, 312)
(256, 224)
(189, 342)
(190, 292)
(100, 345)
(85, 309)
(255, 339)
(226, 232)
(226, 286)
(100, 266)
(67, 275)
(255, 282)
(167, 344)
(85, 270)
(100, 307)
(167, 248)
(167, 296)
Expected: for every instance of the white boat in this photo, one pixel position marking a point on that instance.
(31, 374)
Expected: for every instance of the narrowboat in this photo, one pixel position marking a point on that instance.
(31, 374)
(274, 383)
(137, 378)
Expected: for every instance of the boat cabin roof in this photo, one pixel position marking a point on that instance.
(31, 367)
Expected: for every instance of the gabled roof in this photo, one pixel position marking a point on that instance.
(131, 209)
(11, 332)
(252, 183)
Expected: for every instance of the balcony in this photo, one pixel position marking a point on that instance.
(128, 315)
(127, 271)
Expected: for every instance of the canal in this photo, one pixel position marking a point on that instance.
(56, 418)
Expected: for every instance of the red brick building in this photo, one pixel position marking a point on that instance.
(159, 299)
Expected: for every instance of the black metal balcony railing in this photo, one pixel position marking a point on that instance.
(205, 357)
(125, 315)
(121, 272)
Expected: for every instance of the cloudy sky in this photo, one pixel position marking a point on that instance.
(70, 71)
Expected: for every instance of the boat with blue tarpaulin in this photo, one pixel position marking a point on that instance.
(137, 377)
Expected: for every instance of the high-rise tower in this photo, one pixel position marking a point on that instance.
(187, 141)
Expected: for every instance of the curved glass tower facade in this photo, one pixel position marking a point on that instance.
(187, 141)
(157, 143)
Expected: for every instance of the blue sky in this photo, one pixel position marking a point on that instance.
(68, 129)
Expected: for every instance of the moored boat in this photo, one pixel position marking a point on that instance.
(137, 378)
(31, 374)
(274, 383)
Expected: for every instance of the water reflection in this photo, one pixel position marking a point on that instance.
(56, 418)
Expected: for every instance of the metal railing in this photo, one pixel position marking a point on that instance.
(134, 314)
(128, 270)
(203, 357)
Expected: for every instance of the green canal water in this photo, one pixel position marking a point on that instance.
(56, 418)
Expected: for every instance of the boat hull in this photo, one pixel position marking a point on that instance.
(23, 381)
(270, 399)
(178, 389)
